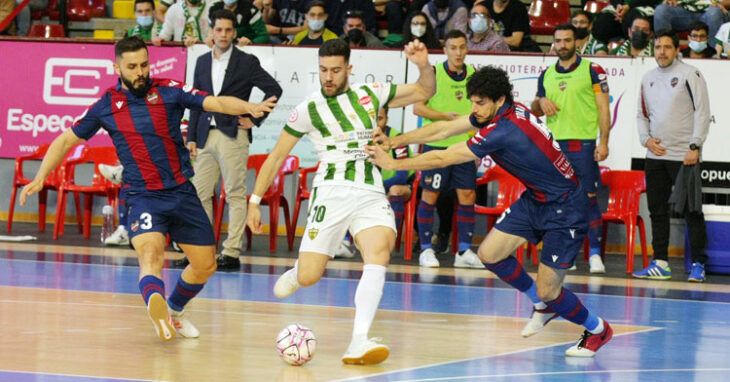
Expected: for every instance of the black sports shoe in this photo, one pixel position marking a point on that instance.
(182, 263)
(228, 263)
(442, 243)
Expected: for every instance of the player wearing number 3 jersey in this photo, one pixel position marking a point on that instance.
(347, 191)
(552, 210)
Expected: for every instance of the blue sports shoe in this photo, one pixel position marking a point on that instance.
(654, 272)
(697, 274)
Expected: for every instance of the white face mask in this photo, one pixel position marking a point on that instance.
(478, 24)
(418, 30)
(145, 21)
(316, 25)
(230, 2)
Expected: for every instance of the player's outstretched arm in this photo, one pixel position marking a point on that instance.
(56, 151)
(455, 154)
(266, 175)
(425, 87)
(235, 106)
(430, 133)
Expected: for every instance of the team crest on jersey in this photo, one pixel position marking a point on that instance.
(352, 116)
(562, 85)
(371, 113)
(375, 85)
(428, 180)
(459, 95)
(674, 82)
(365, 100)
(312, 233)
(152, 98)
(135, 226)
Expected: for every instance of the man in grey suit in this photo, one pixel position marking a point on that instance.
(216, 141)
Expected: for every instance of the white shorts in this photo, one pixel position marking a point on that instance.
(335, 209)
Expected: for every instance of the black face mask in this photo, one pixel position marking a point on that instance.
(581, 33)
(441, 4)
(639, 39)
(356, 37)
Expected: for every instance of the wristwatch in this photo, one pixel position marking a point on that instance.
(694, 147)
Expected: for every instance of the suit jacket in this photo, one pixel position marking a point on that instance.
(243, 73)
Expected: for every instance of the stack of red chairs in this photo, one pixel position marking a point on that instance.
(545, 15)
(46, 31)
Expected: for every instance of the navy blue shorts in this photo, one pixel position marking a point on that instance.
(461, 176)
(176, 211)
(580, 154)
(561, 225)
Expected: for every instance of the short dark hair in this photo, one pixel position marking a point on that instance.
(699, 26)
(143, 1)
(335, 47)
(640, 17)
(454, 33)
(490, 82)
(317, 3)
(668, 33)
(566, 27)
(579, 12)
(128, 44)
(222, 14)
(354, 14)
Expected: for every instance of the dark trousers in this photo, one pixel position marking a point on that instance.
(660, 177)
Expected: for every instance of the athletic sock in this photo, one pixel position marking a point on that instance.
(510, 271)
(568, 306)
(397, 203)
(367, 298)
(183, 293)
(465, 225)
(425, 224)
(149, 285)
(662, 263)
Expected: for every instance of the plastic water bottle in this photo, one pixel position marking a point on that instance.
(107, 226)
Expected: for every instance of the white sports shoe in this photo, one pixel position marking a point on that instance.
(368, 352)
(120, 236)
(538, 320)
(428, 259)
(596, 264)
(345, 250)
(468, 259)
(182, 324)
(286, 284)
(157, 310)
(112, 173)
(573, 267)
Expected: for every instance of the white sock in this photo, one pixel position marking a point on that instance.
(540, 305)
(662, 263)
(599, 329)
(367, 298)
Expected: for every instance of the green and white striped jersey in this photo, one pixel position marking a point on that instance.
(340, 127)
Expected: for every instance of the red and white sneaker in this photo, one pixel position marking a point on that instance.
(538, 320)
(589, 343)
(157, 310)
(182, 324)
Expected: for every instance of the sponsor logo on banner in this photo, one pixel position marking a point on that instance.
(74, 81)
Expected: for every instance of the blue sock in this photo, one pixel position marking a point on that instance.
(592, 323)
(595, 230)
(397, 203)
(149, 285)
(347, 238)
(465, 225)
(568, 306)
(510, 271)
(424, 217)
(183, 293)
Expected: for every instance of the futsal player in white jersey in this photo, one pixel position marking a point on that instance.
(347, 191)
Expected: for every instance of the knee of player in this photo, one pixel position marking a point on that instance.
(207, 268)
(547, 292)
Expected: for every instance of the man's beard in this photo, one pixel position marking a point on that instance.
(339, 90)
(568, 55)
(139, 91)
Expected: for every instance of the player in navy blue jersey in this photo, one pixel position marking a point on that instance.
(552, 210)
(142, 117)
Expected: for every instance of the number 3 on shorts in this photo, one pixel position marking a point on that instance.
(146, 219)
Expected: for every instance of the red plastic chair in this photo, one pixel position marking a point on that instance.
(52, 182)
(595, 7)
(303, 192)
(80, 10)
(625, 189)
(99, 186)
(46, 31)
(274, 198)
(545, 15)
(409, 216)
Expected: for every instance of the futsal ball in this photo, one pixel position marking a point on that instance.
(296, 344)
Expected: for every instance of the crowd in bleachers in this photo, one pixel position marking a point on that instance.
(616, 27)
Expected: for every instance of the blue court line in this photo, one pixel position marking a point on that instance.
(31, 376)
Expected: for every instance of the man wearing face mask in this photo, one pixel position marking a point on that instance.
(146, 27)
(585, 43)
(446, 15)
(640, 43)
(250, 26)
(481, 36)
(355, 33)
(185, 21)
(698, 47)
(316, 33)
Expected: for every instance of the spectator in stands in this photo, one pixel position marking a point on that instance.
(679, 15)
(698, 46)
(250, 27)
(512, 23)
(614, 20)
(355, 33)
(446, 15)
(6, 7)
(146, 27)
(284, 18)
(585, 43)
(316, 33)
(418, 27)
(640, 42)
(185, 21)
(481, 36)
(338, 8)
(22, 20)
(722, 40)
(393, 10)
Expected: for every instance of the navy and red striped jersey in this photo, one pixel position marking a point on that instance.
(519, 142)
(145, 132)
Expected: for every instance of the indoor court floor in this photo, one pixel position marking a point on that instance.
(74, 313)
